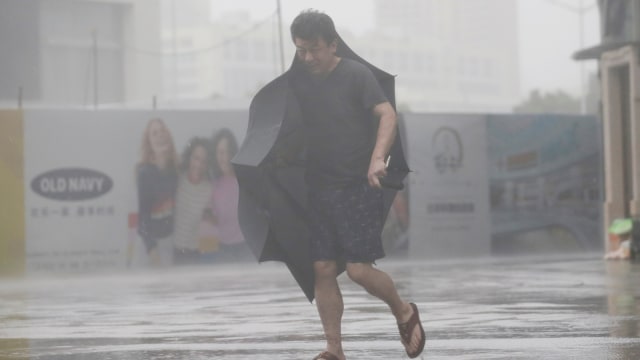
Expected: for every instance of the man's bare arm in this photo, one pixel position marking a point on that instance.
(384, 139)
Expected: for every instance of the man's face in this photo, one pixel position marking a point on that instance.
(316, 55)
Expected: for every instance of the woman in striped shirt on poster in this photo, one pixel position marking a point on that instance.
(192, 202)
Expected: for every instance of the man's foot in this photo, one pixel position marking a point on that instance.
(412, 333)
(325, 355)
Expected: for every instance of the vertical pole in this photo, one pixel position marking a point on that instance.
(154, 102)
(174, 46)
(95, 69)
(583, 101)
(280, 35)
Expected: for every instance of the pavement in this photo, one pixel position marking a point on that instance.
(562, 307)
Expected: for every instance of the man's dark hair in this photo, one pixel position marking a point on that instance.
(311, 24)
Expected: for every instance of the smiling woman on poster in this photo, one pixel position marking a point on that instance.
(192, 202)
(157, 179)
(224, 198)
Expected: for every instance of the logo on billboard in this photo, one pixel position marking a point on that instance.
(447, 149)
(72, 184)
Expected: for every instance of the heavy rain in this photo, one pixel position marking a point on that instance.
(162, 185)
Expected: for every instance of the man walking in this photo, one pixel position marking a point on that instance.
(341, 103)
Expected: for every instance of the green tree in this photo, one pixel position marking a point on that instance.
(558, 102)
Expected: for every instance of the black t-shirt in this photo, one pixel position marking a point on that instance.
(339, 123)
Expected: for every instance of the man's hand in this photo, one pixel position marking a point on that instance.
(385, 137)
(377, 170)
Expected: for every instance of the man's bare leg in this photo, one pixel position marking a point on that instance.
(380, 285)
(330, 305)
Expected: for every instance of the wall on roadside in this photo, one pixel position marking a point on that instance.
(480, 185)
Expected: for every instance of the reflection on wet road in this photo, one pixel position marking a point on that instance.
(512, 308)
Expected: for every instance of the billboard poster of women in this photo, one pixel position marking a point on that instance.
(103, 188)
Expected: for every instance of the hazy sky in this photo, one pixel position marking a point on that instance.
(549, 33)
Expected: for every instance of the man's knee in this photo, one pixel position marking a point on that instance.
(325, 269)
(358, 272)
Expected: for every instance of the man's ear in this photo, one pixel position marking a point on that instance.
(334, 45)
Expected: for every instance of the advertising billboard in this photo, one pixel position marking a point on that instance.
(82, 186)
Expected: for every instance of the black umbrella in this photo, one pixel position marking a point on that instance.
(269, 165)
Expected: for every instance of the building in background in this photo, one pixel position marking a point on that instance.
(213, 61)
(450, 56)
(79, 52)
(188, 59)
(620, 88)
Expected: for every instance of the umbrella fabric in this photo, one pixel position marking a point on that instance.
(621, 226)
(269, 165)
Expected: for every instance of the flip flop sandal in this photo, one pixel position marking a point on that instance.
(406, 330)
(325, 355)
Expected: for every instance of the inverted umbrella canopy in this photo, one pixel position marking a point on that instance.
(269, 165)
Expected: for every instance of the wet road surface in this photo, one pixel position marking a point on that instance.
(569, 307)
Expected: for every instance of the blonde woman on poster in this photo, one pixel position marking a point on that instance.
(157, 178)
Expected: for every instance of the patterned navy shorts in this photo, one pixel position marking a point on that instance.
(346, 224)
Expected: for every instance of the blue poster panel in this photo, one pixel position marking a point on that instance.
(545, 175)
